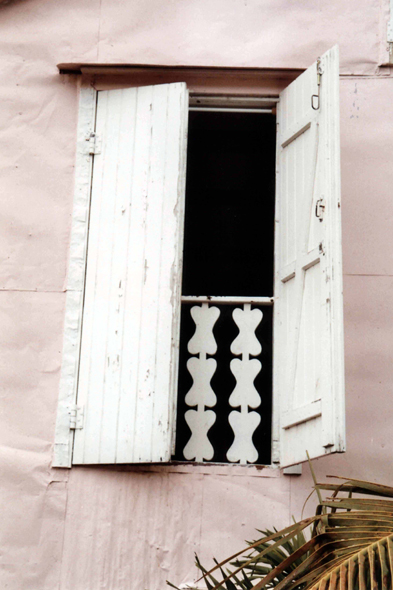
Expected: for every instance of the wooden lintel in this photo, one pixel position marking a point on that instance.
(79, 68)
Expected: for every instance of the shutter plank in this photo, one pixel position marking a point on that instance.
(169, 280)
(131, 306)
(151, 372)
(123, 170)
(129, 426)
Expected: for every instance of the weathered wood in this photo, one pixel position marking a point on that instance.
(308, 371)
(128, 363)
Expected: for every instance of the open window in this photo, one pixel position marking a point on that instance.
(225, 371)
(261, 347)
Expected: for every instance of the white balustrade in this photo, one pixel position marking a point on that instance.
(245, 395)
(201, 393)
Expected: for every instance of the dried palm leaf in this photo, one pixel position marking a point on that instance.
(349, 546)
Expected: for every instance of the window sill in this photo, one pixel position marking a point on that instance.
(206, 469)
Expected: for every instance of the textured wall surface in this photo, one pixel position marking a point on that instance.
(96, 528)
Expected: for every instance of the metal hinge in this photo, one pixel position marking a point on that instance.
(275, 451)
(94, 143)
(76, 417)
(320, 208)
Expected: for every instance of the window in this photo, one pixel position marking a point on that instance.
(117, 401)
(227, 263)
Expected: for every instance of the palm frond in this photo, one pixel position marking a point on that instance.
(349, 546)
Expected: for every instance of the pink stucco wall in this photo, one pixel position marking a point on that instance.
(92, 528)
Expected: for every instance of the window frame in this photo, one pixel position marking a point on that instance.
(214, 88)
(237, 104)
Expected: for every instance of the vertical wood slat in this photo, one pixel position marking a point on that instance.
(331, 121)
(308, 283)
(132, 299)
(75, 278)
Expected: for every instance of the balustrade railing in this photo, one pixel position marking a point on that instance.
(224, 405)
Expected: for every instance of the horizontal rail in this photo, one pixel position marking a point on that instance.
(229, 110)
(243, 102)
(226, 300)
(301, 414)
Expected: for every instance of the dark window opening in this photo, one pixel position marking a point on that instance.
(228, 251)
(229, 220)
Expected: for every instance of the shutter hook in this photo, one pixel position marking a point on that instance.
(320, 208)
(315, 101)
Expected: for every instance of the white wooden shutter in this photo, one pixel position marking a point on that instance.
(131, 314)
(308, 328)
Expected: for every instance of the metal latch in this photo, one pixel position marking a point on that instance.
(94, 143)
(315, 98)
(76, 417)
(320, 208)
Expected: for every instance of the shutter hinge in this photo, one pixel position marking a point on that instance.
(320, 208)
(275, 451)
(76, 417)
(94, 143)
